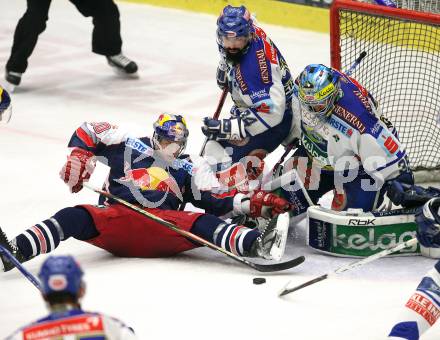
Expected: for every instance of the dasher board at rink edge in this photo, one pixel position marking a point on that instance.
(357, 234)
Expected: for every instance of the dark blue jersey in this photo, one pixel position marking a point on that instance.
(140, 176)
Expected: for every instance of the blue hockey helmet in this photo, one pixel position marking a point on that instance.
(318, 88)
(234, 28)
(172, 128)
(234, 22)
(5, 106)
(61, 274)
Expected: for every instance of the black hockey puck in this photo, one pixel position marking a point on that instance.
(259, 280)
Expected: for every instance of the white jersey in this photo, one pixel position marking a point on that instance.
(353, 137)
(260, 84)
(421, 311)
(75, 324)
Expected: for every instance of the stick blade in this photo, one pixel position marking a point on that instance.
(276, 267)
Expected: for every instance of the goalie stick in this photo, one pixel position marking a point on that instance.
(349, 266)
(264, 268)
(5, 253)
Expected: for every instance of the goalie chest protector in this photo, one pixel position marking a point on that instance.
(354, 233)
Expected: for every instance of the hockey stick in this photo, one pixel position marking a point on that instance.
(356, 63)
(265, 268)
(287, 178)
(349, 266)
(4, 252)
(216, 115)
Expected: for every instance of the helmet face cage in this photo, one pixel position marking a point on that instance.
(318, 89)
(171, 128)
(61, 274)
(233, 22)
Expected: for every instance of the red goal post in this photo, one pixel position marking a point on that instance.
(401, 69)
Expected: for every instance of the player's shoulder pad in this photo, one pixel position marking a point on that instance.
(355, 108)
(254, 74)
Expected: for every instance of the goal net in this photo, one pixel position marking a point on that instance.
(401, 69)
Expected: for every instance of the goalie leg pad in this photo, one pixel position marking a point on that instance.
(354, 233)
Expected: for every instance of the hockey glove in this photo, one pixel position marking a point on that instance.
(78, 168)
(260, 204)
(222, 79)
(410, 196)
(224, 129)
(428, 222)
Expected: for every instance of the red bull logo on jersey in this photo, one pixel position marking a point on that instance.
(153, 178)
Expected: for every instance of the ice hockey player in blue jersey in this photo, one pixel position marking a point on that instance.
(259, 80)
(346, 146)
(155, 174)
(62, 288)
(422, 309)
(5, 106)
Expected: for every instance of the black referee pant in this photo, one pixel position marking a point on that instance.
(106, 36)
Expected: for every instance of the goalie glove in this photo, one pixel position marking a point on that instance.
(410, 196)
(260, 204)
(428, 224)
(224, 129)
(78, 168)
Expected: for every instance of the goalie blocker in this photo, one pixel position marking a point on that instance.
(354, 233)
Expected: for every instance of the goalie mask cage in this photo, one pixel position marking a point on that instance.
(401, 69)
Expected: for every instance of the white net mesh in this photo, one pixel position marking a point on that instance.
(402, 71)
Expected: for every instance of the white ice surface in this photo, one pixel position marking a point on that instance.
(198, 294)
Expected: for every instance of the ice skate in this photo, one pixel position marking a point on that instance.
(272, 241)
(122, 64)
(5, 264)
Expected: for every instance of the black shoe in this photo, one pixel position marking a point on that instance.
(122, 63)
(7, 265)
(14, 78)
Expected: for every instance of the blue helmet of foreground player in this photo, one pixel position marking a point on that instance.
(318, 88)
(171, 128)
(61, 274)
(5, 106)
